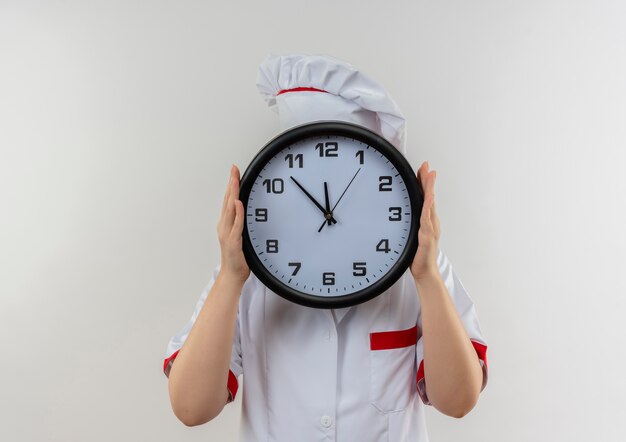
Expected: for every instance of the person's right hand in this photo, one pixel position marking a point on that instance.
(229, 231)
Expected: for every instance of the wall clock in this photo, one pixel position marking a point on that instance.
(332, 214)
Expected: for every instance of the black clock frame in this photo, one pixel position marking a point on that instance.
(336, 128)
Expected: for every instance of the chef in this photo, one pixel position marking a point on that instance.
(360, 373)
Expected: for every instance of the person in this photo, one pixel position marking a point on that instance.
(361, 373)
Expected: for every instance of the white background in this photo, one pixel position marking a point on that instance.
(119, 121)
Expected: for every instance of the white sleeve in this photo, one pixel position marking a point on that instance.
(467, 312)
(177, 341)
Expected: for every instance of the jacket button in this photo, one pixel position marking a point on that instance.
(326, 421)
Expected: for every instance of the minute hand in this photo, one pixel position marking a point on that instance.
(319, 206)
(344, 192)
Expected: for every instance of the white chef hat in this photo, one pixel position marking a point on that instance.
(307, 88)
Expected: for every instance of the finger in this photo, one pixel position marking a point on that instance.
(227, 193)
(423, 169)
(430, 194)
(428, 188)
(237, 222)
(237, 179)
(430, 182)
(424, 180)
(434, 219)
(239, 219)
(425, 216)
(229, 216)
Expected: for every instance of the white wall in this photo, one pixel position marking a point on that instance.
(119, 121)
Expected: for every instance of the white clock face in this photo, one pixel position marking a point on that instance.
(290, 234)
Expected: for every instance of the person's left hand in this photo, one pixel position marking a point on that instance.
(424, 263)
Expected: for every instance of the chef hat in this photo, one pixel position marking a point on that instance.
(307, 88)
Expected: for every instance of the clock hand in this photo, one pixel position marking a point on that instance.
(319, 206)
(327, 199)
(329, 214)
(344, 192)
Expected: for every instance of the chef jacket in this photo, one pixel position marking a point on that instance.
(349, 374)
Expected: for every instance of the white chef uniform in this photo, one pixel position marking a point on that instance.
(350, 374)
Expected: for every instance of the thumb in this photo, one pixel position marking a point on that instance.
(239, 216)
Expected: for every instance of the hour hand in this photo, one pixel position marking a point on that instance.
(327, 203)
(318, 205)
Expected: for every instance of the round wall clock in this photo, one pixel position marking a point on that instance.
(332, 214)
